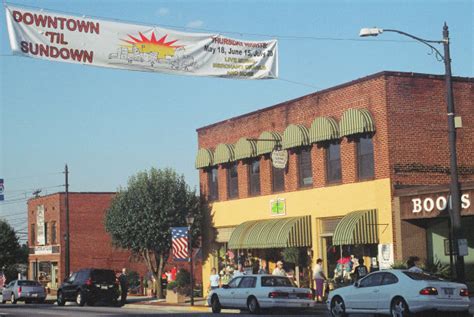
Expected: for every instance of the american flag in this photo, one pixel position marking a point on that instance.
(179, 243)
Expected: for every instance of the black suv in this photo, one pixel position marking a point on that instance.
(89, 286)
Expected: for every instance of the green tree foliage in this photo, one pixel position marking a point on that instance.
(141, 215)
(9, 246)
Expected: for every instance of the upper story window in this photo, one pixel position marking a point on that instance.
(333, 163)
(33, 234)
(53, 232)
(232, 181)
(278, 179)
(212, 187)
(305, 168)
(365, 157)
(45, 233)
(254, 177)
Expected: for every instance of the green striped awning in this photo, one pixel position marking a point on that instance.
(323, 129)
(295, 135)
(245, 148)
(357, 227)
(356, 121)
(204, 158)
(224, 153)
(272, 233)
(264, 147)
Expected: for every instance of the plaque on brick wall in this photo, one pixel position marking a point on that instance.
(279, 158)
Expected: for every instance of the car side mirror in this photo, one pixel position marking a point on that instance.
(357, 284)
(225, 286)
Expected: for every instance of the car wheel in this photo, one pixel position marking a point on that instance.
(215, 304)
(80, 300)
(13, 299)
(60, 299)
(338, 308)
(252, 305)
(41, 301)
(399, 308)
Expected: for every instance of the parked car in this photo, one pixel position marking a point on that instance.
(255, 292)
(89, 286)
(398, 293)
(23, 290)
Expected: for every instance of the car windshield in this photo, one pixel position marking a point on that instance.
(422, 276)
(99, 276)
(269, 281)
(28, 283)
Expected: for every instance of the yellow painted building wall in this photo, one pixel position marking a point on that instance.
(326, 202)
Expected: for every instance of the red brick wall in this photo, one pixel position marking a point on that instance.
(418, 130)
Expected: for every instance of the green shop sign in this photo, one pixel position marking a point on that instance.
(278, 207)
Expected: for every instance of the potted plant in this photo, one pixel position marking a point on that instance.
(176, 291)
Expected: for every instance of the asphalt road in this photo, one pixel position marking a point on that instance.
(104, 311)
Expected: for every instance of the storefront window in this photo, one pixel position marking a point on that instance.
(254, 177)
(305, 168)
(278, 179)
(333, 163)
(365, 157)
(232, 181)
(213, 189)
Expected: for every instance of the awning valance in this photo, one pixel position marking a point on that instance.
(323, 129)
(245, 148)
(356, 121)
(204, 158)
(357, 227)
(295, 135)
(264, 147)
(272, 233)
(224, 153)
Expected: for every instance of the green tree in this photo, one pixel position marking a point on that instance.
(9, 246)
(141, 215)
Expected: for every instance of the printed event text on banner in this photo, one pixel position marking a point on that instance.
(64, 38)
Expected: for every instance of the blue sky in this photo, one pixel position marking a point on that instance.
(108, 124)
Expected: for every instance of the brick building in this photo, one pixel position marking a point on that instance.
(90, 245)
(354, 151)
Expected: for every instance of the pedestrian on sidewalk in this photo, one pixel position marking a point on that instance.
(214, 279)
(361, 270)
(319, 278)
(279, 271)
(123, 279)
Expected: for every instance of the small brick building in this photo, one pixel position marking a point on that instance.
(356, 153)
(90, 245)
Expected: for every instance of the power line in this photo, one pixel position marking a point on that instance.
(30, 176)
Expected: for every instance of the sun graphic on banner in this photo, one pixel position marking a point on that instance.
(151, 45)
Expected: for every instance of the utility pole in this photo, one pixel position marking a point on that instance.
(67, 256)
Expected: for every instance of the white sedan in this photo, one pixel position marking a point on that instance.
(255, 292)
(398, 293)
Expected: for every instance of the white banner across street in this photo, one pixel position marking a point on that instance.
(89, 41)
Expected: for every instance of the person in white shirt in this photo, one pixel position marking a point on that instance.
(411, 264)
(214, 279)
(319, 278)
(279, 271)
(240, 270)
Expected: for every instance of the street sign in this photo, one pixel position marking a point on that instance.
(279, 158)
(2, 189)
(462, 247)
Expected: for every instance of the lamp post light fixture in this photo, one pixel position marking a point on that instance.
(455, 212)
(189, 222)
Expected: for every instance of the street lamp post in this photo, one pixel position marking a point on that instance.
(455, 212)
(190, 221)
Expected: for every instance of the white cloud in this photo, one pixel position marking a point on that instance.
(195, 24)
(163, 11)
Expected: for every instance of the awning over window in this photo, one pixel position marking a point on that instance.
(295, 135)
(224, 153)
(245, 149)
(355, 121)
(357, 227)
(264, 147)
(323, 129)
(272, 233)
(204, 158)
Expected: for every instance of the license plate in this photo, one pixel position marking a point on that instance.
(104, 287)
(448, 291)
